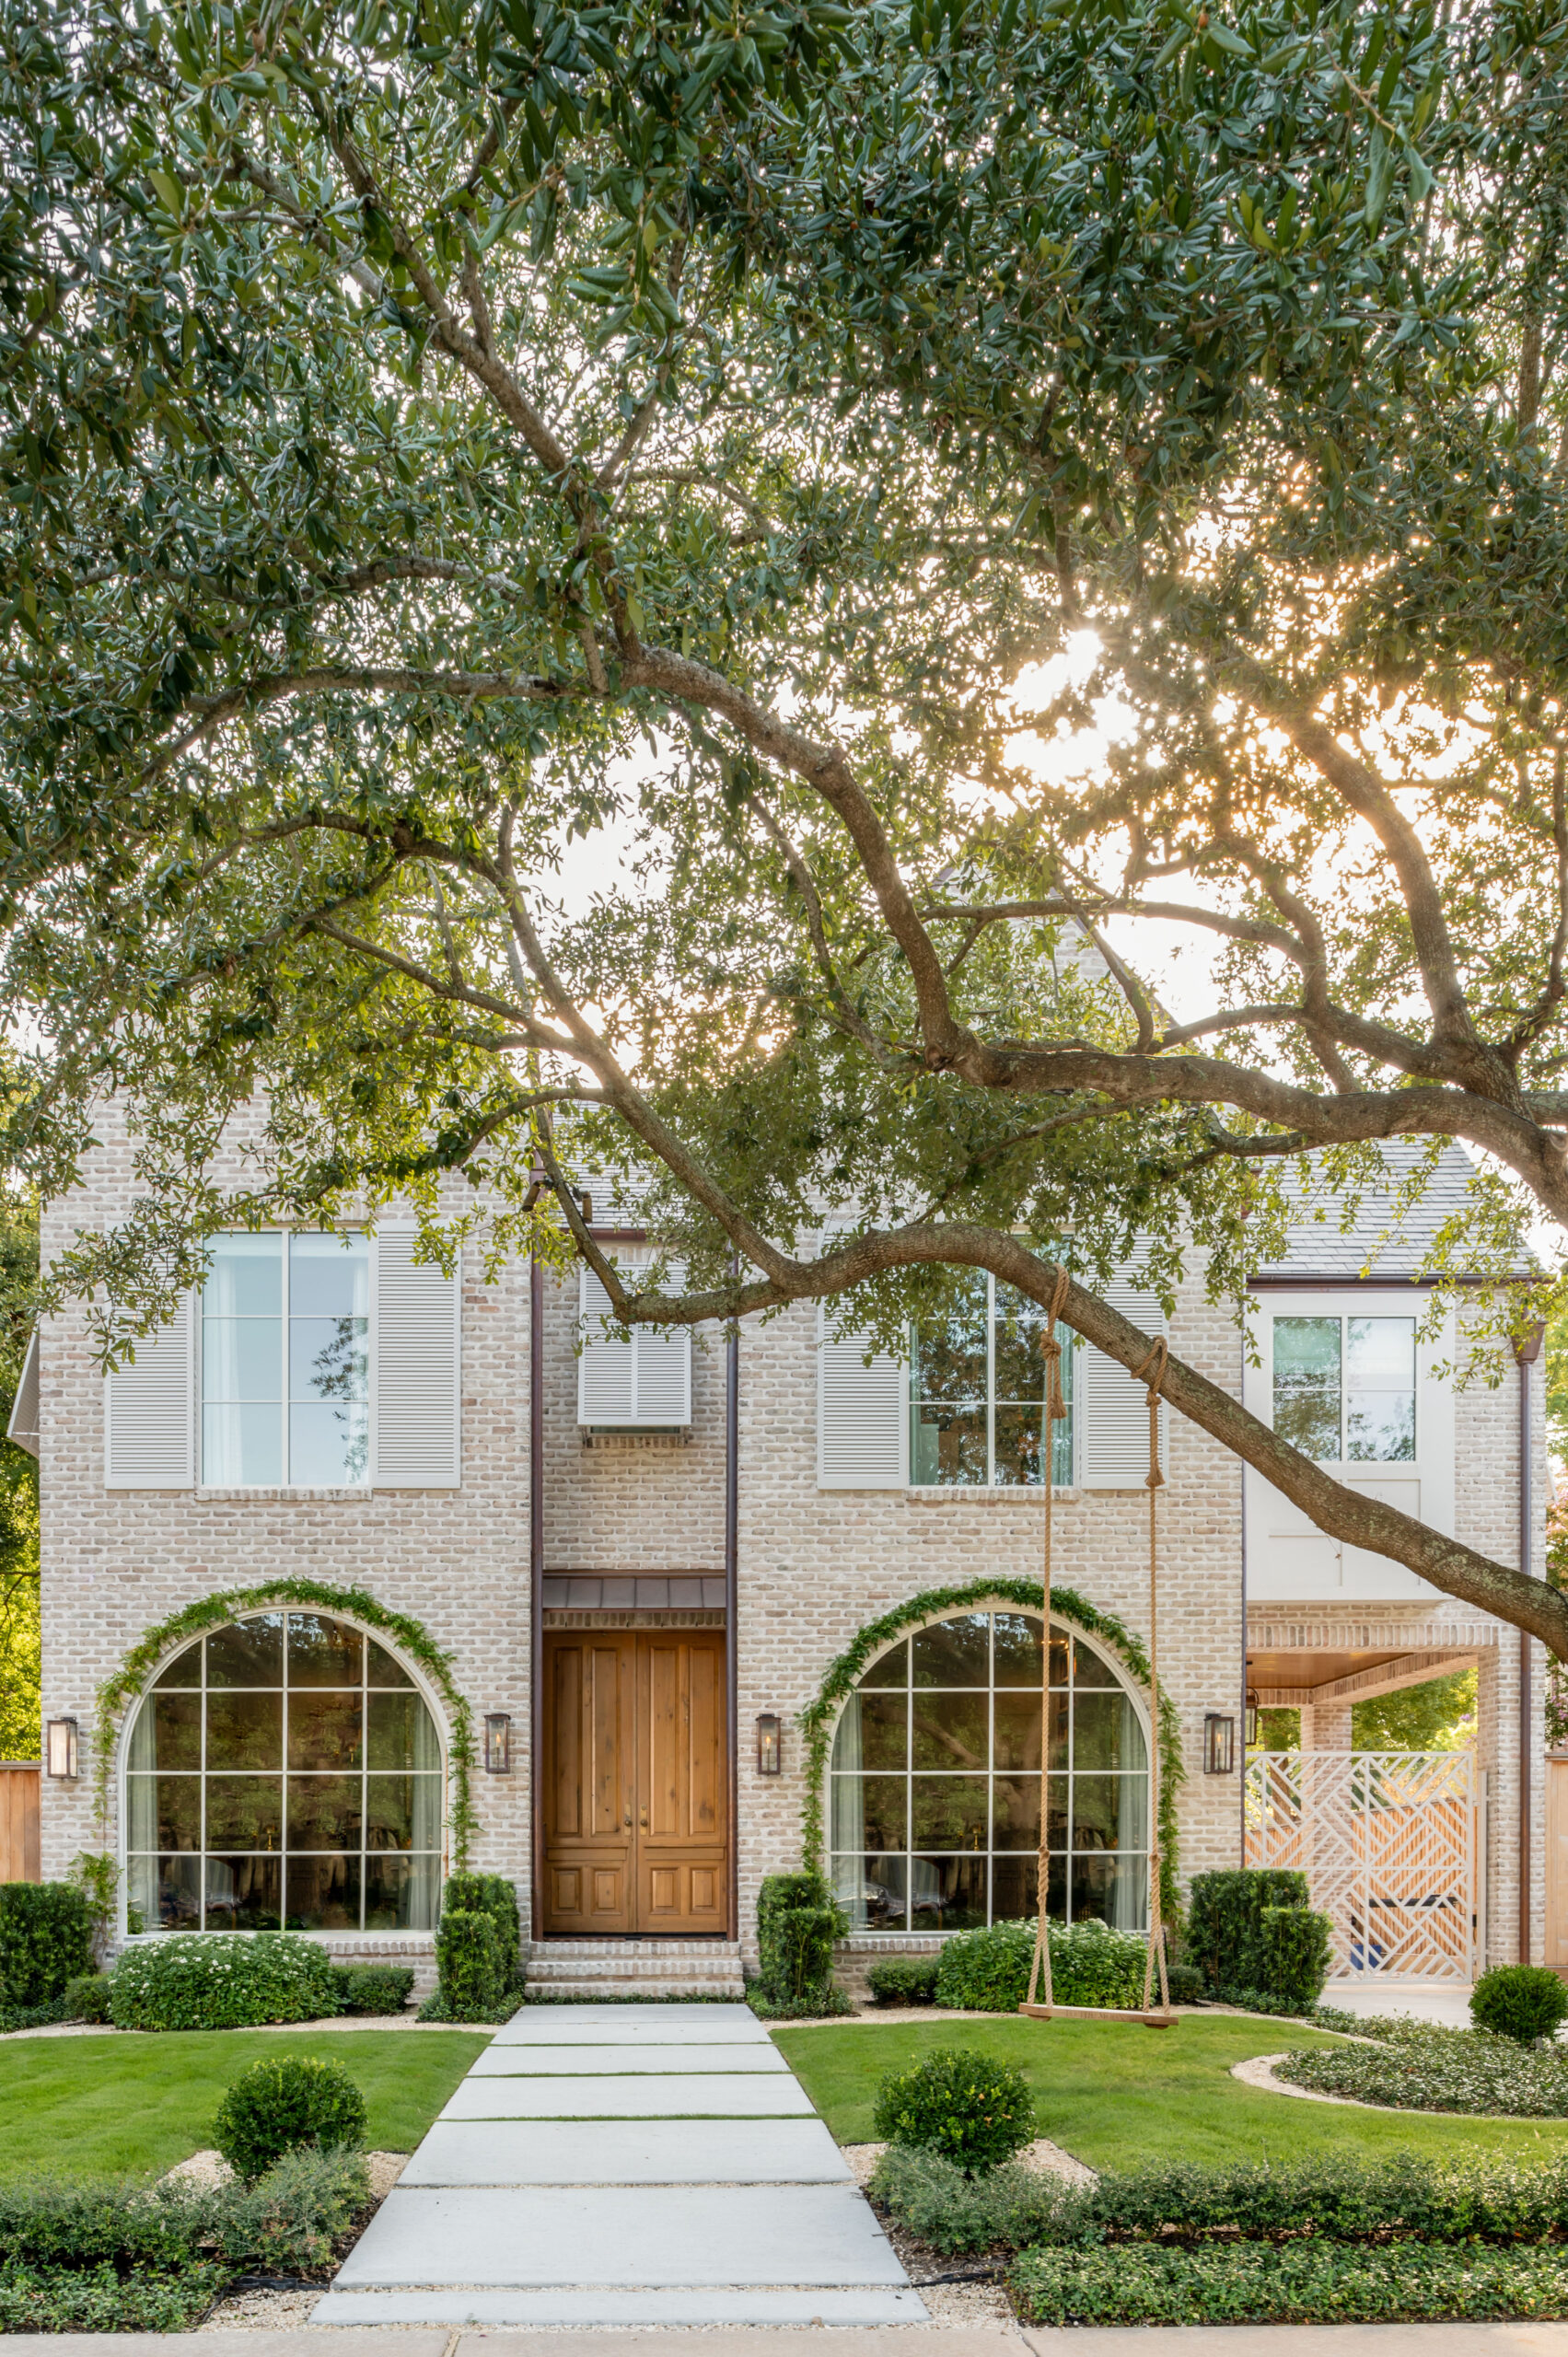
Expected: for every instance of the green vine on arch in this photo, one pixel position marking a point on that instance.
(844, 1675)
(215, 1612)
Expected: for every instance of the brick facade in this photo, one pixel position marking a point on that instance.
(814, 1566)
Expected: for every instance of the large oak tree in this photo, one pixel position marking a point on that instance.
(439, 432)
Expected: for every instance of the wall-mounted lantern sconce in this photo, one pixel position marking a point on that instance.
(498, 1743)
(769, 1744)
(1253, 1728)
(59, 1752)
(1219, 1744)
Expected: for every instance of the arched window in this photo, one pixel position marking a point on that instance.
(284, 1774)
(934, 1810)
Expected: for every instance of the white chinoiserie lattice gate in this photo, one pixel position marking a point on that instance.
(1391, 1843)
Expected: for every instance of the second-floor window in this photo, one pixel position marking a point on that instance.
(977, 1405)
(285, 1363)
(1345, 1388)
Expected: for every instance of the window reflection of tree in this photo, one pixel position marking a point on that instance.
(341, 1372)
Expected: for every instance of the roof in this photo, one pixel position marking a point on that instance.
(1375, 1243)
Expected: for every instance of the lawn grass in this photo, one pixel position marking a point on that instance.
(1115, 2095)
(87, 2107)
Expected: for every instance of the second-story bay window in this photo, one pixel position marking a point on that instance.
(284, 1363)
(977, 1393)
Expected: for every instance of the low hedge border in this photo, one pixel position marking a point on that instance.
(115, 2255)
(1298, 2283)
(1463, 2070)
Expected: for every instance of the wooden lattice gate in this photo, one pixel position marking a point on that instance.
(1391, 1843)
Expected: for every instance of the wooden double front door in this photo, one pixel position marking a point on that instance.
(636, 1779)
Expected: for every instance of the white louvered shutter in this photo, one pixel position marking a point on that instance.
(418, 1366)
(1113, 1445)
(642, 1378)
(862, 1414)
(149, 1412)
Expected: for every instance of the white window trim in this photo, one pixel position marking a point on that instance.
(372, 1342)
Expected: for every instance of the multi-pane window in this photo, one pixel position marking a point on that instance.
(1345, 1388)
(977, 1393)
(284, 1774)
(935, 1811)
(285, 1363)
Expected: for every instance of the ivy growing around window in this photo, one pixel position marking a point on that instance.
(977, 1393)
(935, 1796)
(283, 1773)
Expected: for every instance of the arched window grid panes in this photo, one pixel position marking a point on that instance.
(977, 1393)
(933, 1809)
(284, 1773)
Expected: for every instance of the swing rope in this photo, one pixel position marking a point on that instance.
(1150, 1372)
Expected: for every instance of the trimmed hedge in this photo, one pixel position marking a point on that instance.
(477, 1952)
(1252, 1928)
(988, 1971)
(222, 1980)
(797, 1921)
(1301, 2283)
(1330, 2198)
(904, 1981)
(46, 1939)
(373, 1988)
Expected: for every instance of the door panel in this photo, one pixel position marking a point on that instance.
(637, 1773)
(682, 1881)
(590, 1748)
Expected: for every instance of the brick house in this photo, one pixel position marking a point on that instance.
(641, 1559)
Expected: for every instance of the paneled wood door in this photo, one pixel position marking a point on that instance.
(635, 1837)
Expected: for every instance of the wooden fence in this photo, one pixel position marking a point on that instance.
(19, 1821)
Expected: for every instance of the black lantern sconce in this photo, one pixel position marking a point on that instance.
(1219, 1744)
(1253, 1728)
(769, 1744)
(498, 1743)
(61, 1749)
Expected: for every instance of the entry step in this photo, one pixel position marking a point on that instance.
(585, 1970)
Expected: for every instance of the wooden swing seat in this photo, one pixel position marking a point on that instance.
(1155, 2019)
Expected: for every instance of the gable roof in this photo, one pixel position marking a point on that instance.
(1376, 1244)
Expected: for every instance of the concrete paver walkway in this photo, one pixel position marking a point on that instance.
(625, 2165)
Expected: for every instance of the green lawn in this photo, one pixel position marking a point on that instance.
(85, 2106)
(1116, 2094)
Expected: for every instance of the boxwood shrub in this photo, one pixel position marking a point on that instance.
(283, 2101)
(46, 1939)
(1524, 2001)
(797, 1921)
(222, 1980)
(477, 1952)
(372, 1987)
(960, 2103)
(904, 1981)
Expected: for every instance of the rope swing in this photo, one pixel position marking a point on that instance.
(1040, 2004)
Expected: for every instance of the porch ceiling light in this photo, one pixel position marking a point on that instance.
(769, 1744)
(498, 1743)
(60, 1750)
(1219, 1744)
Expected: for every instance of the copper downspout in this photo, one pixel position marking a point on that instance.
(1526, 1352)
(536, 1580)
(731, 1589)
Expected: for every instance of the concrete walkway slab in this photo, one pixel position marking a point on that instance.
(654, 2235)
(713, 2095)
(499, 2061)
(634, 2025)
(623, 2151)
(612, 2309)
